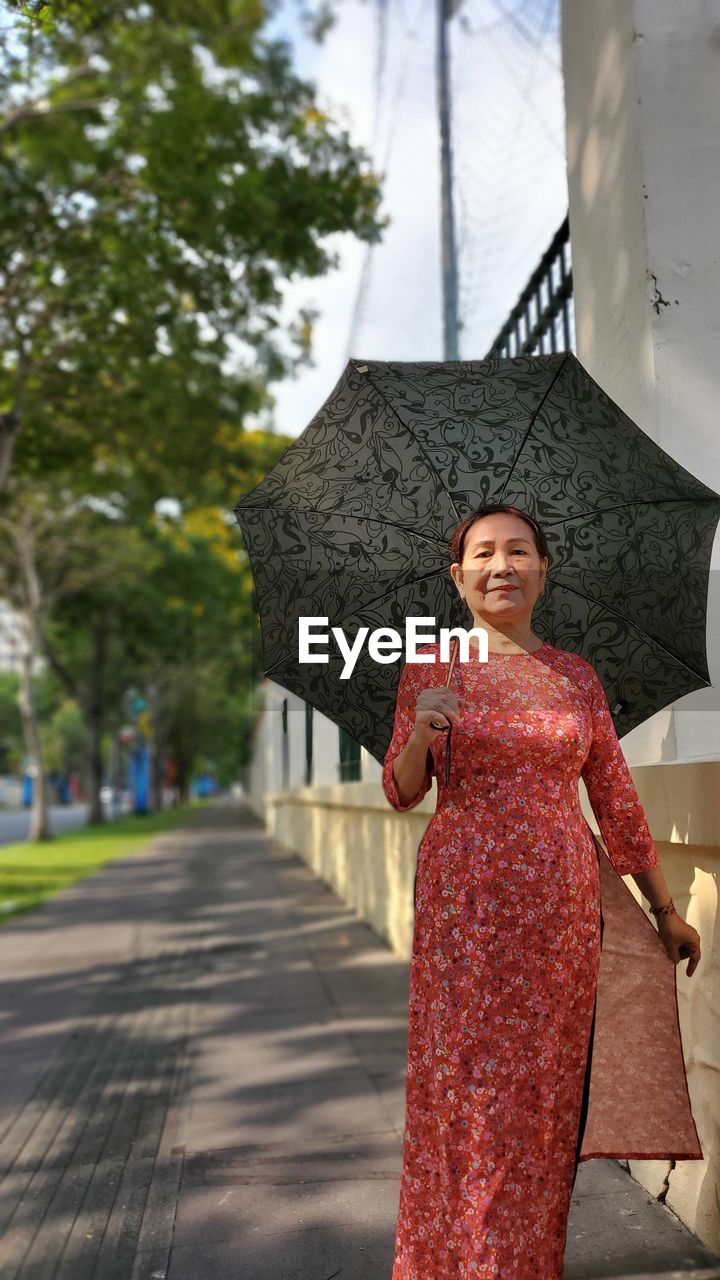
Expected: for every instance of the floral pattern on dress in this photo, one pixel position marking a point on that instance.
(506, 952)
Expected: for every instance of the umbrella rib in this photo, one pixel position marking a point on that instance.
(650, 639)
(420, 446)
(370, 604)
(531, 424)
(387, 524)
(624, 506)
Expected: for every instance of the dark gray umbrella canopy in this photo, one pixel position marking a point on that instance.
(353, 524)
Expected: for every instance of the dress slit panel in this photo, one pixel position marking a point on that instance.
(588, 1071)
(639, 1103)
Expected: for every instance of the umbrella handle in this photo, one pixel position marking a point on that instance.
(447, 682)
(448, 743)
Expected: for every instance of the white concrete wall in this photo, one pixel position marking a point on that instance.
(265, 772)
(326, 751)
(642, 96)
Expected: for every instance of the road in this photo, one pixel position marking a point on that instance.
(15, 823)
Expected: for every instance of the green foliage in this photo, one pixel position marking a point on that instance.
(64, 738)
(11, 738)
(163, 171)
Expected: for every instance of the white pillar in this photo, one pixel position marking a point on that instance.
(642, 97)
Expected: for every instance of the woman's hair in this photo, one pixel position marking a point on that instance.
(459, 535)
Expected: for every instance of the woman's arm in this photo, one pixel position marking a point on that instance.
(411, 768)
(624, 825)
(406, 788)
(613, 795)
(652, 885)
(680, 938)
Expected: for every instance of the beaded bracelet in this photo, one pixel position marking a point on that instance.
(662, 911)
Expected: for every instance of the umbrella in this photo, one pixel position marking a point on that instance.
(353, 522)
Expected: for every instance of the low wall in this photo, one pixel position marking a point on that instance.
(366, 852)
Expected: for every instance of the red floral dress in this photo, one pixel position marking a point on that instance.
(506, 952)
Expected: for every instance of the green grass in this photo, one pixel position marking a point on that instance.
(32, 872)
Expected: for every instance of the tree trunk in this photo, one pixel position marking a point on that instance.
(24, 540)
(95, 720)
(39, 817)
(182, 783)
(157, 760)
(157, 791)
(10, 423)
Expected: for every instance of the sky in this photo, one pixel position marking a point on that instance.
(375, 73)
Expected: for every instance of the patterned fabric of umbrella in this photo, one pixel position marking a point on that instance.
(353, 524)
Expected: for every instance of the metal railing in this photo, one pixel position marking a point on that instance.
(543, 318)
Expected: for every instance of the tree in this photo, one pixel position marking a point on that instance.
(163, 171)
(11, 735)
(54, 549)
(111, 602)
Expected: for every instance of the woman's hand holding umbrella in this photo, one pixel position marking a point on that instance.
(436, 710)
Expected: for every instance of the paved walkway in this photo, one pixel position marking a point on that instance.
(203, 1058)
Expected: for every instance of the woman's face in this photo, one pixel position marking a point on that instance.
(500, 552)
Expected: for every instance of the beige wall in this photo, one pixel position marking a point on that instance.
(366, 851)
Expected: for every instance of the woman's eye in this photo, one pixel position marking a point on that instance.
(518, 552)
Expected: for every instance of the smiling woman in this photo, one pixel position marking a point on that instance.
(524, 932)
(500, 565)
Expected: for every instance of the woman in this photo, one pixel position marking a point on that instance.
(507, 940)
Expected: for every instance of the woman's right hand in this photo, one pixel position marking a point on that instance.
(435, 711)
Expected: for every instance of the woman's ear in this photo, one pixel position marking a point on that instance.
(456, 574)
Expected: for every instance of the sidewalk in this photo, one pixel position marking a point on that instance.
(203, 1057)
